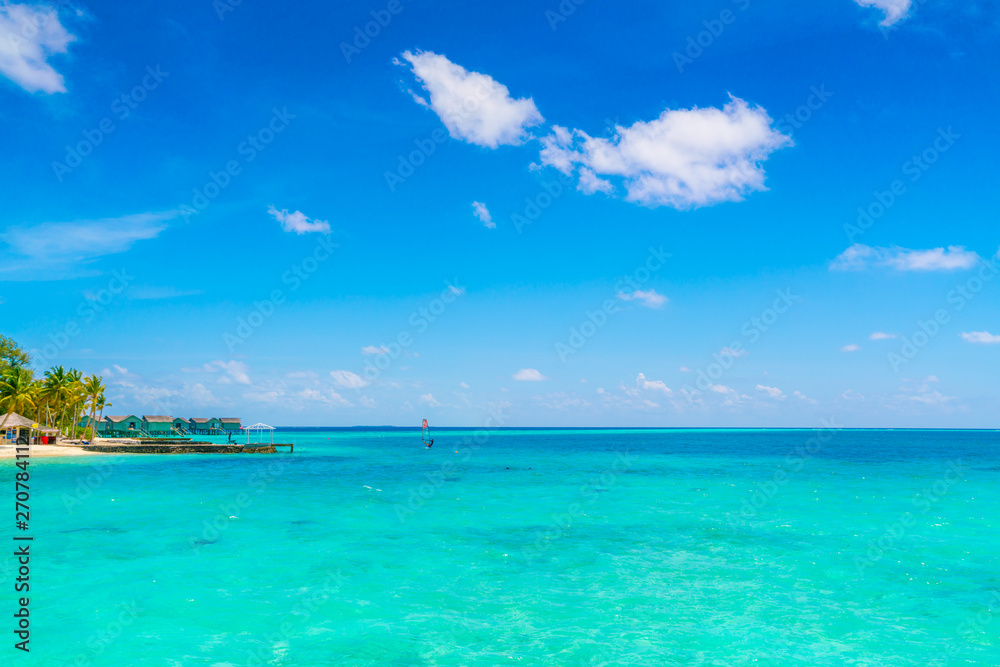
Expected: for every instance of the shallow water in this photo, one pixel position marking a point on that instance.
(527, 547)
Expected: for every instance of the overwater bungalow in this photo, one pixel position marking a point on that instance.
(231, 425)
(118, 426)
(99, 426)
(162, 426)
(213, 425)
(158, 426)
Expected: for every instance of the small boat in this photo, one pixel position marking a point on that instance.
(425, 435)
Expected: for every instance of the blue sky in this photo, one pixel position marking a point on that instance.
(653, 214)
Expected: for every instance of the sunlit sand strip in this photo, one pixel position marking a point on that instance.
(8, 451)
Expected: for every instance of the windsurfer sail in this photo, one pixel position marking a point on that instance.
(425, 435)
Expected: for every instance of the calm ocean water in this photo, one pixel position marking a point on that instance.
(522, 547)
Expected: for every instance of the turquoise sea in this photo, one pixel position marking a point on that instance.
(520, 547)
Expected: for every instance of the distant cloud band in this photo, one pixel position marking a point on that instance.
(859, 257)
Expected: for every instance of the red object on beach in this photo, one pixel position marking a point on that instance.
(45, 439)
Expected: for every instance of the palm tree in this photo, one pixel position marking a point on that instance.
(17, 392)
(74, 399)
(94, 391)
(55, 388)
(41, 405)
(101, 404)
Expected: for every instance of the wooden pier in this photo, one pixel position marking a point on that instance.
(177, 446)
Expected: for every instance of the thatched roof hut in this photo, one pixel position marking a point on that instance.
(14, 422)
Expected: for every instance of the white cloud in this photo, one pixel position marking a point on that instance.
(860, 256)
(268, 395)
(317, 396)
(313, 395)
(114, 370)
(136, 395)
(529, 375)
(473, 106)
(145, 394)
(881, 335)
(82, 240)
(633, 397)
(684, 369)
(29, 34)
(852, 347)
(561, 401)
(684, 158)
(731, 397)
(851, 395)
(430, 400)
(373, 349)
(920, 391)
(480, 211)
(802, 397)
(983, 337)
(348, 379)
(652, 385)
(199, 394)
(931, 398)
(298, 221)
(463, 385)
(894, 10)
(232, 371)
(367, 402)
(772, 392)
(590, 183)
(649, 298)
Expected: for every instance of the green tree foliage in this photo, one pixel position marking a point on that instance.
(60, 398)
(11, 355)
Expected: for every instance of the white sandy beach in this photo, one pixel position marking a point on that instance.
(8, 451)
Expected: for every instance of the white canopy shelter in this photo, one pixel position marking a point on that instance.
(259, 428)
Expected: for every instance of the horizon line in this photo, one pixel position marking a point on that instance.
(657, 428)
